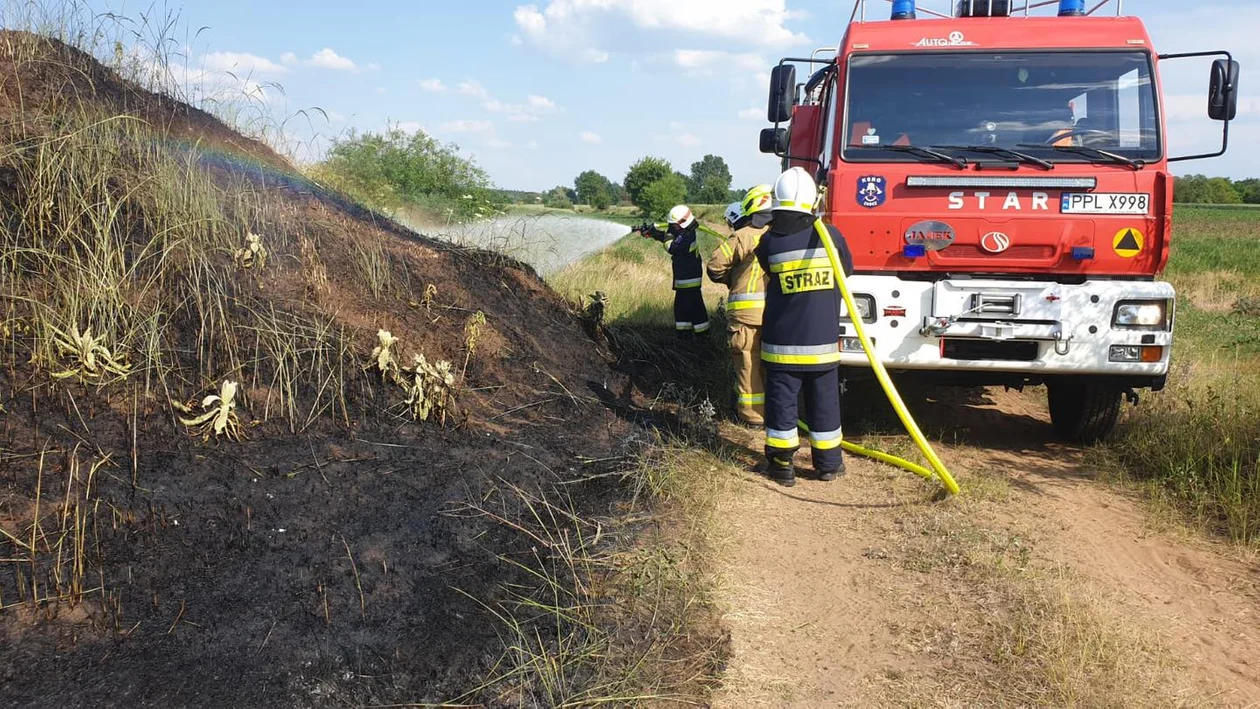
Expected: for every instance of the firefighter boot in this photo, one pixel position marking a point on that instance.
(781, 470)
(829, 475)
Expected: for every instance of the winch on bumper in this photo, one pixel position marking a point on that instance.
(1121, 328)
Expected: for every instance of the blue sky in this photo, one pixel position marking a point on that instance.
(539, 90)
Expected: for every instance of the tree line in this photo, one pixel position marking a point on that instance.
(651, 184)
(1199, 189)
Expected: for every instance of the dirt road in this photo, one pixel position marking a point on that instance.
(1038, 586)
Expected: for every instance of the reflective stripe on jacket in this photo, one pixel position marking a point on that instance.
(685, 258)
(801, 329)
(734, 265)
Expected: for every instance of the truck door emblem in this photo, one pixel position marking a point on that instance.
(933, 235)
(872, 190)
(995, 242)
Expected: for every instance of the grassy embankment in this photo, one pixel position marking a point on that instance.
(1194, 445)
(119, 227)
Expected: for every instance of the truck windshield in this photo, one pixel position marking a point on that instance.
(1043, 104)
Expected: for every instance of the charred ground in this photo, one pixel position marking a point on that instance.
(343, 552)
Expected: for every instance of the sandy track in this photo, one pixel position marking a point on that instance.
(838, 594)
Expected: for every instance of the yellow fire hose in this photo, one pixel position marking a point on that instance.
(890, 391)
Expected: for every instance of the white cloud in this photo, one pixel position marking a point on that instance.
(679, 134)
(589, 137)
(584, 29)
(326, 58)
(242, 63)
(706, 61)
(1193, 107)
(532, 145)
(472, 88)
(432, 85)
(541, 103)
(289, 58)
(467, 126)
(752, 114)
(484, 131)
(373, 66)
(534, 107)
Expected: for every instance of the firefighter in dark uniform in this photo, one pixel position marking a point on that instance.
(691, 317)
(800, 343)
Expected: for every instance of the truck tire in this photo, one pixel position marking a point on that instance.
(1082, 409)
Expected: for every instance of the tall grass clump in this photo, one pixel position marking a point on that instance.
(396, 170)
(1198, 443)
(611, 611)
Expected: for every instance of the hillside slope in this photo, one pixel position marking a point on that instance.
(342, 550)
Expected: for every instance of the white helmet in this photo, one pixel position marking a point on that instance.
(682, 216)
(795, 191)
(734, 212)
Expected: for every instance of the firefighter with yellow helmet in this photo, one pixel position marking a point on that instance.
(734, 265)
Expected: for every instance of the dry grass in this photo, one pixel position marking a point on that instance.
(1020, 631)
(1193, 446)
(619, 611)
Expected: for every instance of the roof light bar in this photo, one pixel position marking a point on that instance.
(903, 10)
(934, 181)
(1071, 8)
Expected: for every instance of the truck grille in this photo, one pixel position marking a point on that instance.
(973, 251)
(975, 350)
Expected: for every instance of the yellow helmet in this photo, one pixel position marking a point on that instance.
(758, 199)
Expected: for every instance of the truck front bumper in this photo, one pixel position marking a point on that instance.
(1037, 328)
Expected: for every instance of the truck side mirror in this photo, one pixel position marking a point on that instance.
(782, 93)
(774, 141)
(1222, 90)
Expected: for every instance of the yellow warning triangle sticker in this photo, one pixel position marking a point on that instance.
(1128, 242)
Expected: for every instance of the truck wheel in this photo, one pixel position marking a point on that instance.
(1083, 410)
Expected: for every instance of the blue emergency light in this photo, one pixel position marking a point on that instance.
(914, 251)
(1082, 253)
(1071, 8)
(904, 9)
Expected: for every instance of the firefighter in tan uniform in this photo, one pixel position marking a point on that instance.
(735, 266)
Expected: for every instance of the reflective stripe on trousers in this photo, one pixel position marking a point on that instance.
(786, 440)
(825, 440)
(688, 283)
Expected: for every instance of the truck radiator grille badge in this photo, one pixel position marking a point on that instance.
(995, 242)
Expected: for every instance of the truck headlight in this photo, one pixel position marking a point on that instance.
(865, 305)
(1141, 314)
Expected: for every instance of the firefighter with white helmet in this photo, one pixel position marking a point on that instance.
(800, 346)
(735, 266)
(691, 317)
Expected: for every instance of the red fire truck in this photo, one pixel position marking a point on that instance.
(1001, 175)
